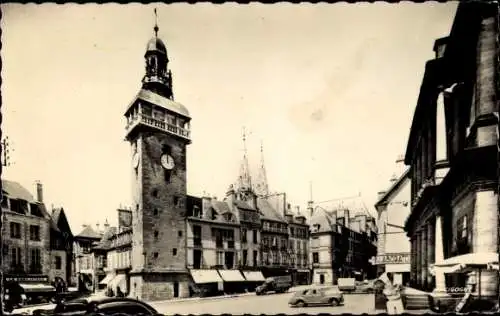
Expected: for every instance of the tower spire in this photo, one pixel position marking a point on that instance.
(262, 187)
(156, 28)
(244, 179)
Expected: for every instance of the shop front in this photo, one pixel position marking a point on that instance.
(253, 279)
(234, 281)
(396, 263)
(119, 283)
(301, 277)
(205, 282)
(29, 289)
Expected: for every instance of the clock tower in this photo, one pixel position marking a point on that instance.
(158, 131)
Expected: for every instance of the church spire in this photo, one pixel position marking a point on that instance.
(245, 182)
(262, 187)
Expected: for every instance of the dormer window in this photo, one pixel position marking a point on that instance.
(213, 214)
(316, 228)
(196, 211)
(228, 217)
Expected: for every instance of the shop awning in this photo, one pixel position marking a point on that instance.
(118, 281)
(107, 279)
(254, 276)
(231, 275)
(37, 287)
(205, 276)
(464, 263)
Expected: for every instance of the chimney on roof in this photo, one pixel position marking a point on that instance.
(39, 191)
(106, 224)
(97, 227)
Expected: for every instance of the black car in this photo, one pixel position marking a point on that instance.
(101, 306)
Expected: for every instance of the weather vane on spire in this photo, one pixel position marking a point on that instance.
(156, 23)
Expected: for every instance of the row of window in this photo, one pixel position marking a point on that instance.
(21, 206)
(299, 232)
(244, 236)
(273, 226)
(16, 228)
(17, 261)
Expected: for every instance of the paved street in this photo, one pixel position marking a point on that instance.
(266, 304)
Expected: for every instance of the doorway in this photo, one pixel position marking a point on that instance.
(176, 289)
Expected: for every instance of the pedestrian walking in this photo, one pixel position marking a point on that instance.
(119, 292)
(393, 294)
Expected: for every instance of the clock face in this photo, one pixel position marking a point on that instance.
(135, 160)
(167, 162)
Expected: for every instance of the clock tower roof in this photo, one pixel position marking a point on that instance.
(158, 100)
(155, 44)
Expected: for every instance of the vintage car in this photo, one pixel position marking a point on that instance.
(317, 296)
(105, 306)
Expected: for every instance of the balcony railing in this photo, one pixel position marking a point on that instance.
(275, 230)
(156, 123)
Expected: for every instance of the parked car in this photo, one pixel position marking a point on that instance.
(277, 284)
(317, 296)
(366, 286)
(100, 306)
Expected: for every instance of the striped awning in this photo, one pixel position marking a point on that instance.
(231, 275)
(107, 279)
(204, 276)
(254, 276)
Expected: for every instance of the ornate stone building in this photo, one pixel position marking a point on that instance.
(452, 155)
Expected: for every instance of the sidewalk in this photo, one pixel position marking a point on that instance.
(196, 299)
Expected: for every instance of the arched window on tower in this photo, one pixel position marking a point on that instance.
(441, 141)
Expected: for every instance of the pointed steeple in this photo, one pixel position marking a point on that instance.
(245, 181)
(261, 187)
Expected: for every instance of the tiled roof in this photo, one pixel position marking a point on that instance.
(89, 232)
(105, 241)
(243, 205)
(268, 212)
(324, 219)
(16, 191)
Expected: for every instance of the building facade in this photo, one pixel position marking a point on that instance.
(341, 245)
(393, 248)
(452, 155)
(83, 258)
(36, 245)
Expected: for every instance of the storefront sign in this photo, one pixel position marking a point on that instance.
(393, 258)
(27, 278)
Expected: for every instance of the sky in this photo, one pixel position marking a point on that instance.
(329, 89)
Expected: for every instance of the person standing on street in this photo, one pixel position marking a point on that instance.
(393, 294)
